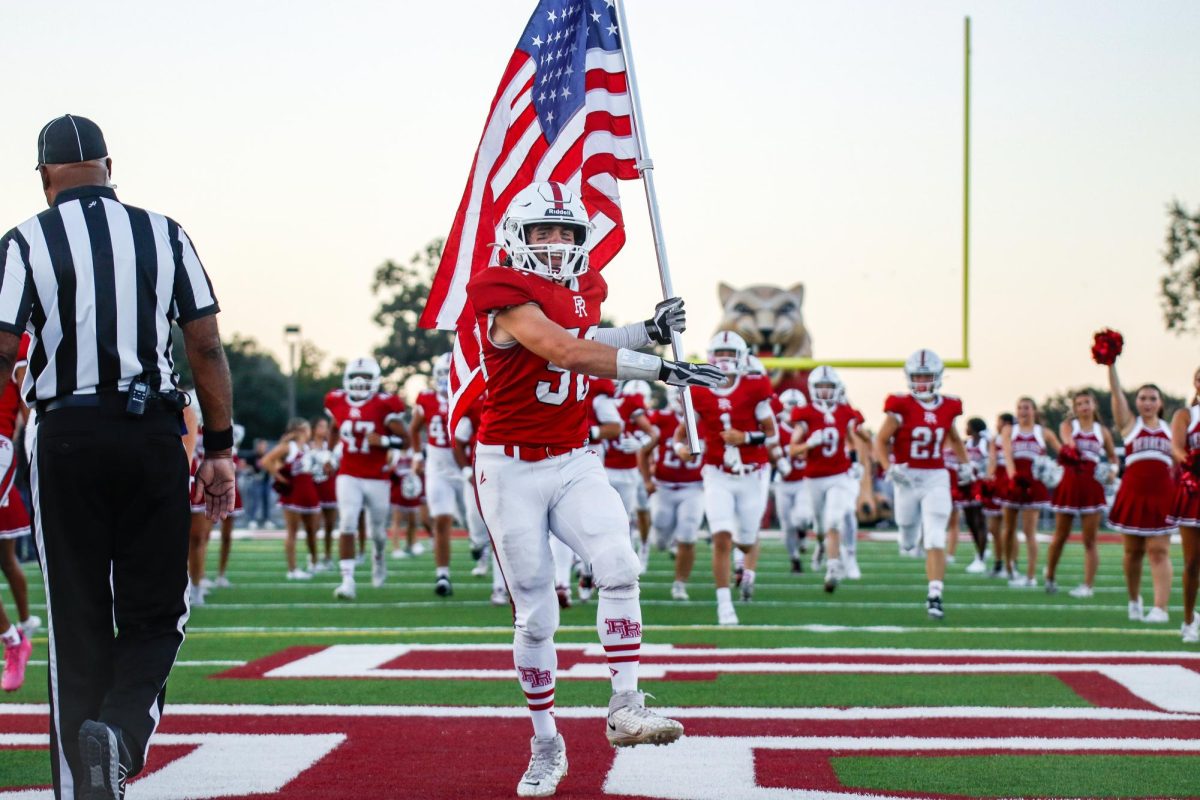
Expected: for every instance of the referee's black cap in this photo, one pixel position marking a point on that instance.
(70, 139)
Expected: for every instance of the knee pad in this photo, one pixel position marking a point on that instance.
(935, 538)
(909, 536)
(537, 612)
(615, 569)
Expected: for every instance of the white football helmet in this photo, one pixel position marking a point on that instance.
(924, 370)
(736, 352)
(675, 399)
(792, 398)
(754, 366)
(441, 374)
(635, 387)
(361, 379)
(826, 388)
(546, 203)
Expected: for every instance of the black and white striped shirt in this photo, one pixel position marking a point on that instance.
(97, 285)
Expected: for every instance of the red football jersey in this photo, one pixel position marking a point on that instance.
(830, 456)
(922, 434)
(799, 463)
(668, 466)
(354, 422)
(630, 408)
(531, 402)
(10, 400)
(737, 405)
(437, 419)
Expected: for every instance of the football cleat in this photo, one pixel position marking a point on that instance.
(738, 574)
(679, 591)
(726, 615)
(747, 586)
(585, 587)
(833, 574)
(346, 591)
(547, 766)
(417, 550)
(976, 567)
(853, 573)
(1051, 586)
(399, 554)
(797, 566)
(105, 762)
(378, 570)
(933, 607)
(1156, 615)
(499, 596)
(477, 552)
(564, 596)
(1191, 633)
(481, 568)
(630, 723)
(442, 587)
(16, 657)
(1135, 610)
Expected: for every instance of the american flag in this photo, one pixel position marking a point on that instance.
(562, 113)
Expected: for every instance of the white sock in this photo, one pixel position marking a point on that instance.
(11, 637)
(537, 669)
(443, 572)
(723, 598)
(619, 623)
(935, 588)
(347, 567)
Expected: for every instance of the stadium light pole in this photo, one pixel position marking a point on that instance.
(291, 335)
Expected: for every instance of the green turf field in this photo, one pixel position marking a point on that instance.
(1099, 707)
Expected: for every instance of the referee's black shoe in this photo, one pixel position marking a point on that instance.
(106, 762)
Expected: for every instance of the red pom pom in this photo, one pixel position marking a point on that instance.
(1189, 482)
(1192, 465)
(1106, 346)
(1069, 456)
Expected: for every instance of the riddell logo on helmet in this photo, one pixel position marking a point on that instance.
(560, 212)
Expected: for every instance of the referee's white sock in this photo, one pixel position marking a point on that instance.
(11, 637)
(347, 567)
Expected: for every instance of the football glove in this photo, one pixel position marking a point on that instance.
(669, 315)
(784, 465)
(967, 474)
(685, 373)
(898, 474)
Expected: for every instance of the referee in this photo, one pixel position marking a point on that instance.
(96, 284)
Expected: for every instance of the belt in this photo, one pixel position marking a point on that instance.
(106, 400)
(522, 453)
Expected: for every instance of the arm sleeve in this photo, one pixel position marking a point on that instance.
(16, 298)
(633, 337)
(464, 431)
(605, 409)
(763, 410)
(193, 294)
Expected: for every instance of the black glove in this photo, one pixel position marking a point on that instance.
(685, 373)
(668, 316)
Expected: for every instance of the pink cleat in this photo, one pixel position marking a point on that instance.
(15, 659)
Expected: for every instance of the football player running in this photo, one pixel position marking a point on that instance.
(443, 474)
(676, 493)
(368, 423)
(823, 433)
(792, 501)
(621, 456)
(917, 426)
(539, 313)
(737, 424)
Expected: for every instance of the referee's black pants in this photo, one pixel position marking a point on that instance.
(110, 493)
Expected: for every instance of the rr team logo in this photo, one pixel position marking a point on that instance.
(580, 306)
(536, 678)
(625, 627)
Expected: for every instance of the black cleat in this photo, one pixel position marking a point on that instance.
(443, 588)
(797, 566)
(933, 607)
(737, 575)
(476, 553)
(105, 761)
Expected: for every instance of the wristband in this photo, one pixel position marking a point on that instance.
(395, 442)
(632, 365)
(755, 437)
(218, 440)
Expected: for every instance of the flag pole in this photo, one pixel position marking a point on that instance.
(645, 167)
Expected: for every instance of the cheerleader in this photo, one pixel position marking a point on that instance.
(291, 465)
(222, 581)
(1085, 443)
(1144, 498)
(1024, 444)
(325, 477)
(968, 502)
(992, 491)
(408, 505)
(1185, 511)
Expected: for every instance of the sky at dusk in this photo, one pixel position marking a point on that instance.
(302, 143)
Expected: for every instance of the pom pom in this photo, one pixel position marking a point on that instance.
(1189, 482)
(1069, 456)
(1192, 465)
(1106, 346)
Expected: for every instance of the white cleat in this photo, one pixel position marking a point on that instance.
(547, 766)
(977, 567)
(1082, 591)
(346, 591)
(726, 615)
(853, 573)
(499, 596)
(481, 568)
(400, 555)
(1191, 633)
(417, 549)
(679, 591)
(1135, 610)
(1156, 615)
(630, 723)
(378, 570)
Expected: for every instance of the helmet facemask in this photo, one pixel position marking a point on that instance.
(559, 261)
(924, 385)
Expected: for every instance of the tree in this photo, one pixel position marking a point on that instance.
(1057, 407)
(312, 384)
(260, 387)
(403, 289)
(1180, 287)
